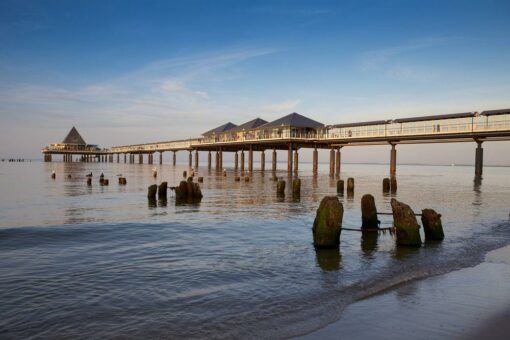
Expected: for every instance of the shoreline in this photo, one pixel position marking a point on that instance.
(468, 303)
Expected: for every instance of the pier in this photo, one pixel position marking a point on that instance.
(295, 132)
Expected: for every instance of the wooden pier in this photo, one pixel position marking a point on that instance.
(295, 132)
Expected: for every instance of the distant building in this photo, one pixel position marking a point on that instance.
(72, 142)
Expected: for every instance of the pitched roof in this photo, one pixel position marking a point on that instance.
(74, 137)
(220, 129)
(252, 124)
(294, 120)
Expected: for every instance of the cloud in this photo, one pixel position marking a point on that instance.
(283, 106)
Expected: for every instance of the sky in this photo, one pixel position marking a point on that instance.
(127, 72)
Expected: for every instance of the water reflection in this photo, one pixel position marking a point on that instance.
(369, 242)
(329, 259)
(402, 253)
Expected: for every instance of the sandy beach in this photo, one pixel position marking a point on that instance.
(470, 303)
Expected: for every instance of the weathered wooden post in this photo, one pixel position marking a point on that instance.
(184, 174)
(238, 179)
(340, 187)
(162, 189)
(296, 187)
(151, 191)
(89, 181)
(200, 180)
(432, 225)
(280, 187)
(386, 185)
(368, 213)
(350, 186)
(247, 178)
(328, 223)
(53, 174)
(393, 181)
(106, 182)
(404, 220)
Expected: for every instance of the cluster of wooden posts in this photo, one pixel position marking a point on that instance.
(327, 225)
(186, 190)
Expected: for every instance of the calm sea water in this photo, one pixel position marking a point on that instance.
(94, 262)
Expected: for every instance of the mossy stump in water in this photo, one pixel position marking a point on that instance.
(350, 186)
(328, 223)
(432, 225)
(280, 187)
(152, 191)
(296, 187)
(368, 213)
(188, 190)
(393, 182)
(162, 189)
(386, 185)
(407, 228)
(340, 186)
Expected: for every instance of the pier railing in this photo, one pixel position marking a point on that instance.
(472, 125)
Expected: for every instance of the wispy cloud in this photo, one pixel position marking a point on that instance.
(285, 106)
(374, 60)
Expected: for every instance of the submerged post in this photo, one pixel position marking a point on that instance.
(479, 159)
(404, 220)
(368, 213)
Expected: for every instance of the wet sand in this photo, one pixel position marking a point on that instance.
(471, 303)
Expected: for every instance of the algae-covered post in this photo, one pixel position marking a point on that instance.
(340, 187)
(350, 186)
(162, 189)
(404, 220)
(280, 187)
(368, 213)
(328, 223)
(296, 187)
(386, 185)
(432, 225)
(151, 191)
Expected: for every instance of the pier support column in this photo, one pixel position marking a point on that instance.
(250, 159)
(174, 158)
(221, 159)
(289, 159)
(315, 160)
(393, 160)
(140, 158)
(196, 159)
(479, 159)
(332, 162)
(274, 160)
(217, 167)
(242, 160)
(338, 162)
(125, 158)
(262, 161)
(296, 160)
(190, 159)
(236, 161)
(161, 157)
(118, 158)
(209, 159)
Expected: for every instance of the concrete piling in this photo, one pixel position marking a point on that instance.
(368, 213)
(407, 228)
(327, 225)
(432, 225)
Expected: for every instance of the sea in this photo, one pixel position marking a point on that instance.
(80, 261)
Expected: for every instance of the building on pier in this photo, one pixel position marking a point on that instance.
(73, 144)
